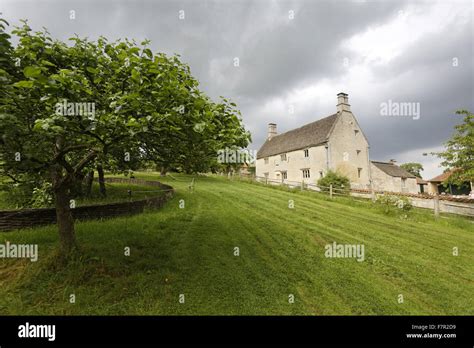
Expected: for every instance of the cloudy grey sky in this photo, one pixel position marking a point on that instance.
(295, 56)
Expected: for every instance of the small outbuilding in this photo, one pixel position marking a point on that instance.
(387, 176)
(422, 185)
(439, 185)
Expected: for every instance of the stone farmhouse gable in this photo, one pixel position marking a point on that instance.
(309, 135)
(335, 142)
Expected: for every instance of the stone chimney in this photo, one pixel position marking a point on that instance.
(392, 161)
(343, 102)
(272, 130)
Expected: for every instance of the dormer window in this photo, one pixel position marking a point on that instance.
(306, 153)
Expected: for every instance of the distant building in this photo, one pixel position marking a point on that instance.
(247, 169)
(439, 185)
(387, 176)
(422, 185)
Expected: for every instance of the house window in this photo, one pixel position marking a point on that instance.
(266, 160)
(306, 173)
(321, 174)
(356, 131)
(266, 175)
(358, 152)
(404, 182)
(306, 153)
(284, 175)
(283, 157)
(359, 170)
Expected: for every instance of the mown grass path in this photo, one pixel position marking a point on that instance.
(190, 251)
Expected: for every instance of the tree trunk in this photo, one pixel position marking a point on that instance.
(64, 219)
(163, 171)
(100, 171)
(88, 183)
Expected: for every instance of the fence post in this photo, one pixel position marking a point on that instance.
(372, 191)
(330, 190)
(266, 181)
(436, 205)
(302, 185)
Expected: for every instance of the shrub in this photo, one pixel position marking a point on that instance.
(42, 196)
(28, 194)
(392, 204)
(339, 182)
(18, 195)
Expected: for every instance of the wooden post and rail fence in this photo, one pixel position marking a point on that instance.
(462, 206)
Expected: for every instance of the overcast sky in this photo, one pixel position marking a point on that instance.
(295, 56)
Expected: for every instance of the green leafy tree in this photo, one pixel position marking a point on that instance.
(59, 145)
(339, 182)
(204, 128)
(459, 153)
(135, 96)
(413, 168)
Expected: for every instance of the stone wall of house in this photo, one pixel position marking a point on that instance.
(381, 181)
(348, 150)
(294, 164)
(15, 219)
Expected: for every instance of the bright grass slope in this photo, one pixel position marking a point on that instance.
(190, 251)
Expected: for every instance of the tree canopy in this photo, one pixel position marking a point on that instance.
(413, 168)
(459, 153)
(64, 108)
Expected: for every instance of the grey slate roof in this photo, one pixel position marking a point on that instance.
(311, 134)
(392, 169)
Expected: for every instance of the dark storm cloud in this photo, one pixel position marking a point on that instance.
(424, 73)
(280, 57)
(306, 47)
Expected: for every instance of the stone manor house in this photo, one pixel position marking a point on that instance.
(335, 142)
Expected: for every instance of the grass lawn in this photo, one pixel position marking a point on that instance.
(190, 251)
(118, 192)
